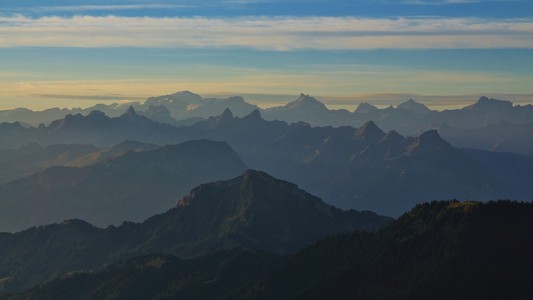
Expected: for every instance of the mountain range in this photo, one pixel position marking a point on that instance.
(345, 166)
(164, 200)
(253, 211)
(468, 127)
(438, 250)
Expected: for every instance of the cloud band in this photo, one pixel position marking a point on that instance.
(266, 33)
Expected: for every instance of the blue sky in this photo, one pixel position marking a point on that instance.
(54, 53)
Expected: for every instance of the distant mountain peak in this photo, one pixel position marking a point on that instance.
(236, 99)
(245, 180)
(428, 141)
(226, 115)
(483, 99)
(178, 100)
(369, 132)
(130, 113)
(158, 113)
(306, 98)
(431, 135)
(287, 216)
(254, 115)
(184, 93)
(393, 135)
(306, 101)
(365, 107)
(486, 103)
(414, 107)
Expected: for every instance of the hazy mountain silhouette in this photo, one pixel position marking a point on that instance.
(442, 250)
(346, 166)
(501, 137)
(33, 158)
(159, 114)
(177, 103)
(154, 108)
(132, 186)
(309, 110)
(48, 115)
(414, 107)
(111, 152)
(365, 108)
(349, 167)
(214, 106)
(512, 171)
(253, 211)
(96, 128)
(409, 118)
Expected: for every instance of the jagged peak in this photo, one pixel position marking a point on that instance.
(369, 132)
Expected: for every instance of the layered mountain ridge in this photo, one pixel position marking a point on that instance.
(346, 166)
(253, 211)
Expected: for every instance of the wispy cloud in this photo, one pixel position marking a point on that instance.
(266, 33)
(82, 8)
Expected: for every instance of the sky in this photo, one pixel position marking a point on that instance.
(444, 53)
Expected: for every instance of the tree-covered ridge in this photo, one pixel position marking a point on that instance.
(438, 250)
